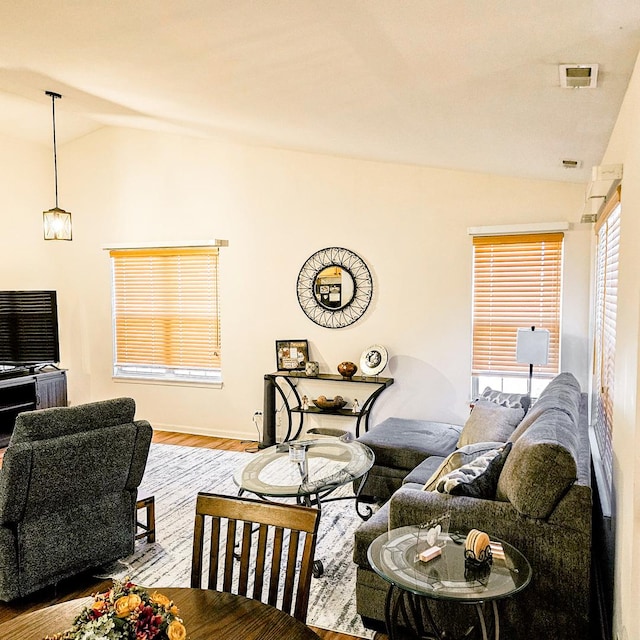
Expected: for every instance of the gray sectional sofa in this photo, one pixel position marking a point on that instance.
(542, 506)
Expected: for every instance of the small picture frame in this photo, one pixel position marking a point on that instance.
(292, 355)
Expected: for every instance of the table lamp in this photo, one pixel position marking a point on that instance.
(532, 347)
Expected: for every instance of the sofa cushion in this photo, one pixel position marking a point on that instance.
(403, 443)
(424, 470)
(509, 400)
(541, 466)
(562, 393)
(453, 461)
(489, 422)
(478, 478)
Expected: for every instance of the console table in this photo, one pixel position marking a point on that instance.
(27, 391)
(281, 381)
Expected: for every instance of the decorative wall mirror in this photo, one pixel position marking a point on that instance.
(334, 287)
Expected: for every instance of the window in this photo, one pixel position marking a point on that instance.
(166, 319)
(517, 283)
(606, 305)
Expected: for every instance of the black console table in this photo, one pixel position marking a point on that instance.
(27, 391)
(279, 381)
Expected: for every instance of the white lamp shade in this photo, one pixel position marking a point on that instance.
(532, 347)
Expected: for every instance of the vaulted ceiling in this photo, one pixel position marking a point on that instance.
(462, 84)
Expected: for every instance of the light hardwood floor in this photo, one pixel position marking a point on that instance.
(86, 585)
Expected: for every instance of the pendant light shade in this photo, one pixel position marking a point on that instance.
(57, 224)
(56, 221)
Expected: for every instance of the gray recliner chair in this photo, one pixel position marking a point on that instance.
(68, 490)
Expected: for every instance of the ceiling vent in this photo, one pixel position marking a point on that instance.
(572, 164)
(578, 76)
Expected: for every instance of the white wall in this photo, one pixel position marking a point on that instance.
(624, 147)
(26, 260)
(276, 208)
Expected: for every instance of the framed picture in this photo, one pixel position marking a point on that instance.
(291, 355)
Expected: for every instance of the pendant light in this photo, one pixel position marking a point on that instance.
(57, 222)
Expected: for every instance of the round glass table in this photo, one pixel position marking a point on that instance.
(413, 582)
(309, 471)
(300, 468)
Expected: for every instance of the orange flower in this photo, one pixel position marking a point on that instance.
(99, 606)
(126, 604)
(160, 599)
(176, 631)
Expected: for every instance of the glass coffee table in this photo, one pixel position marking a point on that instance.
(413, 582)
(309, 471)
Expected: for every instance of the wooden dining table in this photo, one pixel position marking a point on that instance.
(207, 615)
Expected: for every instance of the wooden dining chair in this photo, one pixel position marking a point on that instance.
(280, 562)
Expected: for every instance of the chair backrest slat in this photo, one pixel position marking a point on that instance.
(245, 559)
(290, 575)
(230, 548)
(198, 541)
(258, 579)
(306, 571)
(280, 534)
(276, 560)
(212, 581)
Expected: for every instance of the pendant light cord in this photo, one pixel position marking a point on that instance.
(55, 151)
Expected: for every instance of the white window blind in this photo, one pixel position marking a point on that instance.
(517, 283)
(166, 313)
(606, 306)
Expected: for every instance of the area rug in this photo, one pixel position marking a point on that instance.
(175, 474)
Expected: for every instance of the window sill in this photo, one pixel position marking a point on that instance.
(217, 384)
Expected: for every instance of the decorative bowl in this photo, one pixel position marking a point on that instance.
(329, 404)
(347, 369)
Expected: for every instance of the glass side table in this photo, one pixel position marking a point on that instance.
(309, 471)
(414, 583)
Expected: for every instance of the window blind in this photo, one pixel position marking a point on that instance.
(165, 309)
(606, 306)
(517, 283)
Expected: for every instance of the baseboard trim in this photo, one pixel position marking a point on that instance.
(195, 431)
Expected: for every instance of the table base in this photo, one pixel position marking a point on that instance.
(316, 500)
(408, 617)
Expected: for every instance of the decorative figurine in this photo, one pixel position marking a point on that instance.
(305, 403)
(356, 406)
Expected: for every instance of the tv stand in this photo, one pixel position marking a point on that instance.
(25, 390)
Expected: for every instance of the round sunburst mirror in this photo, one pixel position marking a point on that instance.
(334, 287)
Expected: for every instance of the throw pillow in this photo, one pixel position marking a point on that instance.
(509, 400)
(489, 421)
(479, 478)
(457, 458)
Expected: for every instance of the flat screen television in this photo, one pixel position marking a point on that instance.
(28, 328)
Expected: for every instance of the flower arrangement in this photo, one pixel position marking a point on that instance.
(126, 612)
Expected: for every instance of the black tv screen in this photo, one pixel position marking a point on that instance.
(29, 328)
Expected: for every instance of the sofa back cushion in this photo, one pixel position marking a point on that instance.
(541, 466)
(489, 422)
(562, 393)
